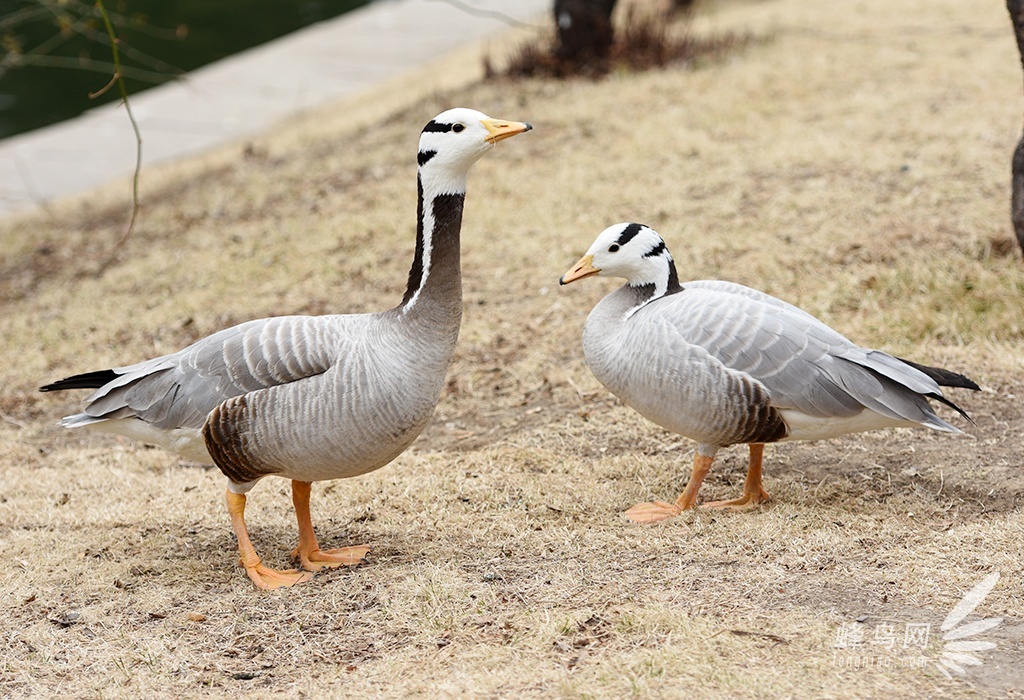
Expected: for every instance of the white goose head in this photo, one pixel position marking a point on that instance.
(449, 145)
(455, 139)
(633, 251)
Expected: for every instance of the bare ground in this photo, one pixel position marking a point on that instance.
(852, 159)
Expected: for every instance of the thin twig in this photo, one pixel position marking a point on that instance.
(119, 77)
(105, 88)
(764, 635)
(25, 14)
(33, 59)
(14, 421)
(81, 24)
(493, 14)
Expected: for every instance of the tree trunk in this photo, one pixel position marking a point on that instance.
(1016, 10)
(584, 32)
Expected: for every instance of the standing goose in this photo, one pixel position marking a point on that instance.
(724, 364)
(311, 398)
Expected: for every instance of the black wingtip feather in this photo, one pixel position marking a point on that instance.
(89, 380)
(944, 377)
(943, 399)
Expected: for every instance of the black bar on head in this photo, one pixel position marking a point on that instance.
(656, 250)
(628, 233)
(437, 126)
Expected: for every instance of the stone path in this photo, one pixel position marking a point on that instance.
(248, 93)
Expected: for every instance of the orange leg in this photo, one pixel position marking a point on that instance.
(753, 492)
(262, 576)
(308, 552)
(659, 510)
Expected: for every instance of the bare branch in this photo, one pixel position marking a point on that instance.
(119, 79)
(494, 14)
(103, 90)
(31, 59)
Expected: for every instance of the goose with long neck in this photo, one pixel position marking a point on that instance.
(723, 364)
(311, 398)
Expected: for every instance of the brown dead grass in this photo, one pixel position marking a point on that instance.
(856, 163)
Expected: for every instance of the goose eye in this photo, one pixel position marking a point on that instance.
(613, 247)
(459, 127)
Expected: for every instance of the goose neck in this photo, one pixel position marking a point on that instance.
(643, 293)
(435, 278)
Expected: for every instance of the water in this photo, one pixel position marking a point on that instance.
(66, 44)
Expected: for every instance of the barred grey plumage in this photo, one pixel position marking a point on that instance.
(311, 398)
(724, 364)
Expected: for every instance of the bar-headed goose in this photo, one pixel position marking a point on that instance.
(311, 398)
(724, 364)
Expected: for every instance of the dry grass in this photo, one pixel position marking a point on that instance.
(856, 162)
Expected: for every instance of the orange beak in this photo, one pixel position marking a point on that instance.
(584, 268)
(500, 129)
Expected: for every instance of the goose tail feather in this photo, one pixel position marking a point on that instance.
(87, 380)
(943, 377)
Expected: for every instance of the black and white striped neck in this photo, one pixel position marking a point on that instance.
(436, 266)
(645, 292)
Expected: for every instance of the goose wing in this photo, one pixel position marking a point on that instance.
(805, 365)
(179, 390)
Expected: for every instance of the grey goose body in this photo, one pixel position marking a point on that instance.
(363, 385)
(311, 398)
(724, 364)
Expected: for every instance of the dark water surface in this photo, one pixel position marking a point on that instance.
(54, 53)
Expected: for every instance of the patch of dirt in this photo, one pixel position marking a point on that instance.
(501, 562)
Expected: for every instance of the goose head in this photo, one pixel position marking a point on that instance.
(632, 251)
(455, 139)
